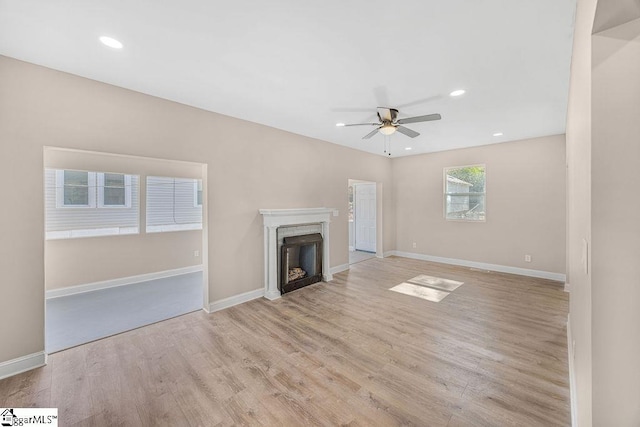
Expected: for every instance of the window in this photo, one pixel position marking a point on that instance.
(197, 193)
(173, 204)
(465, 193)
(114, 190)
(82, 189)
(87, 204)
(75, 189)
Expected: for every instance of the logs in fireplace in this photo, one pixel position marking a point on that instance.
(301, 262)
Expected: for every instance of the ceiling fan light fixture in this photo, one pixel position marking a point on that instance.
(387, 129)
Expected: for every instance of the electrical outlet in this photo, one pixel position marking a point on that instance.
(414, 245)
(527, 258)
(336, 212)
(196, 254)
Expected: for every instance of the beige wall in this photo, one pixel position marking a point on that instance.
(602, 151)
(249, 166)
(579, 206)
(525, 205)
(70, 262)
(615, 225)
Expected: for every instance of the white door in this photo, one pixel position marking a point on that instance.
(365, 216)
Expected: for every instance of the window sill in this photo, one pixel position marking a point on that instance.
(93, 232)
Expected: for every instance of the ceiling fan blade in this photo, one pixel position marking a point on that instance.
(418, 102)
(351, 110)
(410, 133)
(360, 124)
(427, 118)
(381, 95)
(370, 134)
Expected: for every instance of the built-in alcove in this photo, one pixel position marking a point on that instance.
(124, 243)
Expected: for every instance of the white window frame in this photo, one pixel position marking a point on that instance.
(127, 191)
(445, 194)
(91, 184)
(96, 192)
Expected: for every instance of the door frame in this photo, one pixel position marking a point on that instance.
(379, 222)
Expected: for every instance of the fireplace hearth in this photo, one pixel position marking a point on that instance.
(301, 262)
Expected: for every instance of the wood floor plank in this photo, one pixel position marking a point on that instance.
(349, 352)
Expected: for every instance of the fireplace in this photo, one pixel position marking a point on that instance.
(276, 220)
(301, 262)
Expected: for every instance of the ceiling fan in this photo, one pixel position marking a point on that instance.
(389, 123)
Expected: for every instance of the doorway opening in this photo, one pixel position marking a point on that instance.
(125, 243)
(362, 220)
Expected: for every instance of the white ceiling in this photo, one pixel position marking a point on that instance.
(304, 66)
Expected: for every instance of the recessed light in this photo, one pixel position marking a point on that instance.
(111, 42)
(457, 92)
(498, 134)
(339, 124)
(407, 148)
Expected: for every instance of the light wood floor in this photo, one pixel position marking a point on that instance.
(350, 352)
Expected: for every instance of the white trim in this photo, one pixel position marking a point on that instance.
(567, 287)
(387, 254)
(90, 232)
(235, 300)
(22, 364)
(72, 290)
(255, 294)
(339, 268)
(279, 217)
(352, 248)
(166, 228)
(483, 266)
(572, 375)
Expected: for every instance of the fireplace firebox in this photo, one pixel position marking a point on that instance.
(301, 262)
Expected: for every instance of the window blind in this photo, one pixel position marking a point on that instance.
(172, 204)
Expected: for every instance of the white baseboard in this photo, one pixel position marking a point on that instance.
(22, 364)
(235, 300)
(572, 375)
(352, 248)
(339, 268)
(387, 254)
(259, 293)
(483, 266)
(72, 290)
(567, 287)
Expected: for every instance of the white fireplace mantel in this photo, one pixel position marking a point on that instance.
(274, 218)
